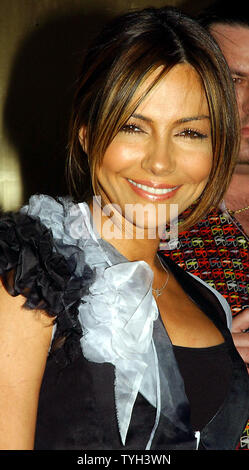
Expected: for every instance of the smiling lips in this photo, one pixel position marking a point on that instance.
(153, 191)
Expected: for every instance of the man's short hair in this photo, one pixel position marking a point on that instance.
(224, 12)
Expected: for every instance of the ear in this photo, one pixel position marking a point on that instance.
(82, 138)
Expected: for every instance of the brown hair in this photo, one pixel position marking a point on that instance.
(124, 54)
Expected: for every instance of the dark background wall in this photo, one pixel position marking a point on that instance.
(41, 47)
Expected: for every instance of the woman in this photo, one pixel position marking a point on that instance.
(154, 124)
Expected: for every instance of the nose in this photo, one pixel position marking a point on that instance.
(243, 102)
(160, 159)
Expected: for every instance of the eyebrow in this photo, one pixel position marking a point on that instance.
(179, 121)
(140, 116)
(239, 73)
(193, 118)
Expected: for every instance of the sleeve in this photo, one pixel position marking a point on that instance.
(31, 265)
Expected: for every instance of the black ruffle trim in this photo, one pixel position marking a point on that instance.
(31, 266)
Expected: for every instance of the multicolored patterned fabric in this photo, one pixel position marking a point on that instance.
(244, 440)
(217, 251)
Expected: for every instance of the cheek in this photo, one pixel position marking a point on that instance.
(199, 166)
(111, 160)
(116, 161)
(242, 100)
(119, 157)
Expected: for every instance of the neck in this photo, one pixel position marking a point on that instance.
(237, 195)
(131, 241)
(135, 250)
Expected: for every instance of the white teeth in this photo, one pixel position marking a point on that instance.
(151, 190)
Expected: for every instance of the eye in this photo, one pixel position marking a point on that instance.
(192, 134)
(237, 80)
(130, 129)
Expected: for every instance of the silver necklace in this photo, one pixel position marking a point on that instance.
(160, 290)
(231, 212)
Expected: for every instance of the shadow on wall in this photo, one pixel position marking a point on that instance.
(38, 104)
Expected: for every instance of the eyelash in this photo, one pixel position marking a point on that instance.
(192, 134)
(189, 133)
(130, 129)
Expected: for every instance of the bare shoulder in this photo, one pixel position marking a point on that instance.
(25, 337)
(13, 314)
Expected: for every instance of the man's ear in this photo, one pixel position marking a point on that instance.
(82, 138)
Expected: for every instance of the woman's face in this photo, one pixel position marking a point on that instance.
(163, 154)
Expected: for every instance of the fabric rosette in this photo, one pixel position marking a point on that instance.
(118, 328)
(30, 265)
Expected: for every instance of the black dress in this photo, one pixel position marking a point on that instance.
(77, 404)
